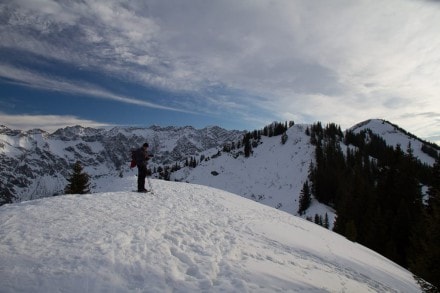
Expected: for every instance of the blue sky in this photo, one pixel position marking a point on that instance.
(235, 64)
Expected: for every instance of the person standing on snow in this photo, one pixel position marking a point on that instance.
(141, 158)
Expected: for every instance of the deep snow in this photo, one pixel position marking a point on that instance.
(184, 238)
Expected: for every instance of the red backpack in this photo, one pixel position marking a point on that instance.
(133, 160)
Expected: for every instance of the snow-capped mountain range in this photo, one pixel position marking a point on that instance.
(35, 164)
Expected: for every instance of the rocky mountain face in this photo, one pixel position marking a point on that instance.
(35, 163)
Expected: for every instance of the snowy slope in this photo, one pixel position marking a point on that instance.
(184, 238)
(273, 175)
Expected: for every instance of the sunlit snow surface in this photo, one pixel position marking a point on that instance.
(184, 238)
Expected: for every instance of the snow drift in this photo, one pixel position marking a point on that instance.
(184, 238)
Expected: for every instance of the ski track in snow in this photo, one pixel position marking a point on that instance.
(185, 238)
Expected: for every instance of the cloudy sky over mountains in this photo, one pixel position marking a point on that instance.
(236, 64)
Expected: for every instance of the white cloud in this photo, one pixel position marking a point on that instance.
(338, 61)
(48, 123)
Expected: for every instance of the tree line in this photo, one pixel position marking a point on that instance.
(376, 191)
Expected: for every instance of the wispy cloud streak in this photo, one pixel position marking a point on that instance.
(41, 81)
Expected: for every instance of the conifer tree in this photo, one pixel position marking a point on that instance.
(193, 162)
(426, 261)
(305, 198)
(351, 231)
(247, 145)
(318, 219)
(307, 132)
(78, 181)
(326, 221)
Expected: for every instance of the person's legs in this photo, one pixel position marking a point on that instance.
(142, 173)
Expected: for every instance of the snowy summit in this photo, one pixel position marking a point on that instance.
(182, 238)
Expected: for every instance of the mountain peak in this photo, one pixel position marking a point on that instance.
(5, 130)
(397, 136)
(366, 123)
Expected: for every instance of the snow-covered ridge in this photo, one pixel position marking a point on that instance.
(395, 136)
(184, 238)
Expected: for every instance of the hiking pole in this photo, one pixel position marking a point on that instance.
(151, 186)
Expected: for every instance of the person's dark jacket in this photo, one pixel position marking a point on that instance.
(141, 157)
